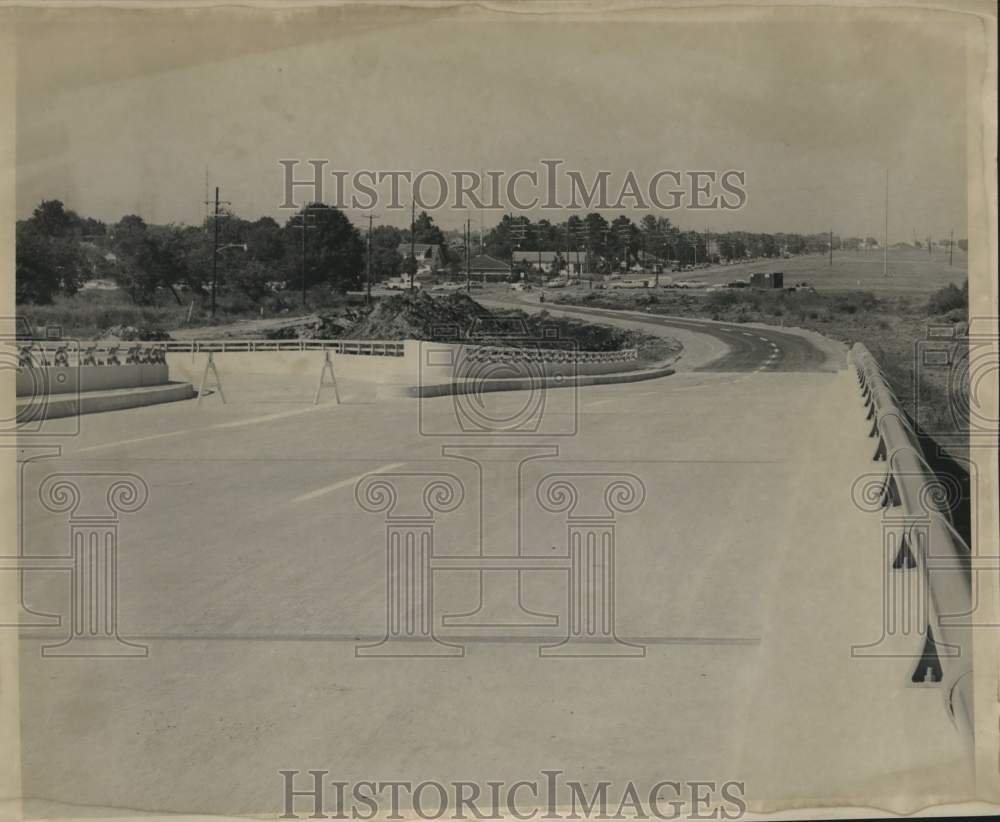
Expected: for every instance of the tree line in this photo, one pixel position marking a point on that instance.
(57, 251)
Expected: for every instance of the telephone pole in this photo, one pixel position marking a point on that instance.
(304, 218)
(413, 241)
(368, 265)
(216, 214)
(518, 232)
(831, 246)
(468, 256)
(951, 247)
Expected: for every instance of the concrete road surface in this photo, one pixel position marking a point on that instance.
(743, 576)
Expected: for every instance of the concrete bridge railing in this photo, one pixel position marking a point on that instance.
(929, 544)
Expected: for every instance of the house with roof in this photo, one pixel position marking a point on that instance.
(430, 257)
(485, 267)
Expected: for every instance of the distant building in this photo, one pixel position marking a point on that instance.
(430, 257)
(767, 279)
(545, 261)
(484, 266)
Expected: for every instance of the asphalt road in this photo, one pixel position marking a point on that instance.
(749, 347)
(252, 575)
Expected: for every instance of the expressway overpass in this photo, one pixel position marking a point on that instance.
(744, 577)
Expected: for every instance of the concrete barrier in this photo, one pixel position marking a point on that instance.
(51, 380)
(408, 368)
(929, 544)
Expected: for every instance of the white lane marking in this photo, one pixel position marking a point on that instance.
(234, 424)
(133, 441)
(277, 416)
(763, 339)
(602, 402)
(329, 489)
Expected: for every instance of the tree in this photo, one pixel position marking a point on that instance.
(131, 247)
(335, 251)
(251, 280)
(425, 231)
(53, 220)
(45, 265)
(597, 233)
(386, 259)
(264, 239)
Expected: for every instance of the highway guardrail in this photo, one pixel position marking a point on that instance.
(935, 547)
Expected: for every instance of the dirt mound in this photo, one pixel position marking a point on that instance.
(458, 318)
(418, 316)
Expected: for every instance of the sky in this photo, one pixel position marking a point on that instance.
(133, 111)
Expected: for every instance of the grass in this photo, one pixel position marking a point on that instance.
(910, 271)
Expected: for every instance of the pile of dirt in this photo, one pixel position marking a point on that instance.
(128, 333)
(419, 316)
(459, 318)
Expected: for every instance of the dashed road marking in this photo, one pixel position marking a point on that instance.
(220, 425)
(135, 440)
(329, 489)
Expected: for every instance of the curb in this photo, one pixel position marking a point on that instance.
(532, 383)
(111, 400)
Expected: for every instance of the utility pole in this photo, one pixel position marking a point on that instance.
(468, 256)
(368, 265)
(216, 214)
(539, 247)
(885, 230)
(304, 217)
(413, 239)
(518, 232)
(215, 248)
(951, 247)
(831, 246)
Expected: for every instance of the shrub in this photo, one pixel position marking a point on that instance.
(949, 298)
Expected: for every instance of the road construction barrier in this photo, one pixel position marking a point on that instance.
(94, 503)
(410, 502)
(921, 539)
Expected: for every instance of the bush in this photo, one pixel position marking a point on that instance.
(949, 298)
